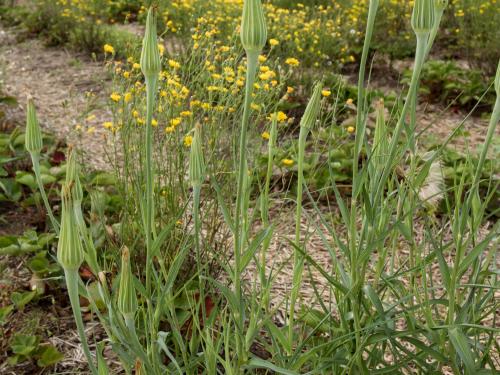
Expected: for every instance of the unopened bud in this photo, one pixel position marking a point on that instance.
(33, 142)
(69, 249)
(196, 160)
(150, 56)
(127, 299)
(253, 31)
(312, 110)
(422, 18)
(73, 177)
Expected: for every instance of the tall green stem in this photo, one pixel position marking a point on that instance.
(35, 158)
(150, 86)
(298, 257)
(252, 60)
(72, 279)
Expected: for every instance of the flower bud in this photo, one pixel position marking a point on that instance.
(440, 5)
(127, 299)
(253, 31)
(422, 18)
(196, 160)
(497, 80)
(312, 110)
(73, 177)
(69, 249)
(33, 141)
(150, 56)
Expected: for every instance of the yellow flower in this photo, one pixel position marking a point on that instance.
(128, 97)
(174, 64)
(91, 130)
(126, 74)
(326, 93)
(169, 129)
(274, 42)
(186, 113)
(349, 101)
(136, 66)
(289, 90)
(265, 135)
(188, 140)
(287, 162)
(292, 61)
(161, 49)
(350, 129)
(255, 107)
(108, 48)
(107, 125)
(154, 122)
(115, 97)
(262, 59)
(175, 122)
(278, 116)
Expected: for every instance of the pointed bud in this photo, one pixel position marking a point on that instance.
(127, 299)
(33, 141)
(253, 31)
(150, 56)
(440, 5)
(497, 80)
(73, 177)
(312, 110)
(69, 249)
(196, 160)
(422, 18)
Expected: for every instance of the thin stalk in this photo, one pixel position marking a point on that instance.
(298, 263)
(72, 284)
(252, 60)
(35, 158)
(359, 137)
(265, 209)
(422, 39)
(150, 86)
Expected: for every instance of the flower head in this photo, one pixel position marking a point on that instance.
(127, 299)
(108, 48)
(253, 30)
(422, 18)
(33, 141)
(150, 56)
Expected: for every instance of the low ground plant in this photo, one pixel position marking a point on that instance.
(407, 291)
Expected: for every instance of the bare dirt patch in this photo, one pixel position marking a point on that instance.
(69, 91)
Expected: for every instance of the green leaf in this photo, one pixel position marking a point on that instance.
(22, 299)
(459, 342)
(24, 345)
(261, 363)
(254, 246)
(49, 356)
(5, 312)
(25, 178)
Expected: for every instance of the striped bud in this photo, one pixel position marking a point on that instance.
(127, 299)
(69, 249)
(73, 177)
(196, 160)
(440, 5)
(150, 56)
(312, 110)
(253, 26)
(422, 18)
(33, 141)
(497, 80)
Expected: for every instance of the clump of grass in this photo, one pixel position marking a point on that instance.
(389, 312)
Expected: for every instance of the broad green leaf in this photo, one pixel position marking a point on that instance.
(24, 344)
(49, 356)
(21, 299)
(5, 312)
